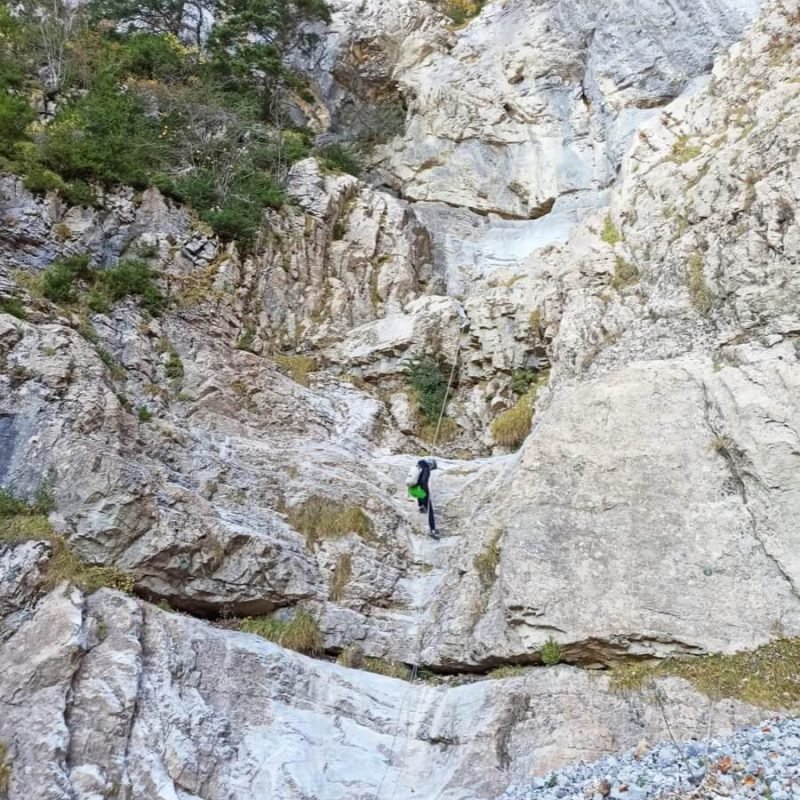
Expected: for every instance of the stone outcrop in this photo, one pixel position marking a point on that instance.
(651, 511)
(534, 102)
(106, 696)
(653, 508)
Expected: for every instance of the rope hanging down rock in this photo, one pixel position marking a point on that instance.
(418, 609)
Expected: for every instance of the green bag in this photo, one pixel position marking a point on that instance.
(417, 491)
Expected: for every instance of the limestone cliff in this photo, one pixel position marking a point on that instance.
(572, 191)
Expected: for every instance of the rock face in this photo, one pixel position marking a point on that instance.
(530, 102)
(108, 697)
(651, 511)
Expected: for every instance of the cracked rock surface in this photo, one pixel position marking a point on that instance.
(651, 511)
(123, 699)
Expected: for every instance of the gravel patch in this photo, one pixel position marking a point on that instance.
(757, 762)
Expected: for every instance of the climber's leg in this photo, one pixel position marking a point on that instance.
(432, 520)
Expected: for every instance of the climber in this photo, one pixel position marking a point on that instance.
(417, 482)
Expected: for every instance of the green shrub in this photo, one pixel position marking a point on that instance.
(98, 300)
(322, 518)
(60, 279)
(139, 107)
(40, 180)
(154, 57)
(296, 145)
(133, 277)
(15, 116)
(10, 505)
(240, 215)
(13, 306)
(551, 652)
(235, 223)
(280, 150)
(301, 633)
(174, 367)
(340, 158)
(63, 280)
(79, 193)
(197, 188)
(428, 377)
(522, 380)
(106, 135)
(144, 414)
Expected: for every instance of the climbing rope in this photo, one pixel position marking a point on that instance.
(418, 609)
(446, 394)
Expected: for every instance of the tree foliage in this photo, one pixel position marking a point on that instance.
(428, 377)
(152, 94)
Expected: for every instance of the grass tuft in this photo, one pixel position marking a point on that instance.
(353, 657)
(392, 669)
(322, 518)
(487, 561)
(682, 151)
(610, 234)
(5, 769)
(342, 573)
(699, 293)
(246, 339)
(114, 367)
(767, 676)
(297, 368)
(507, 671)
(301, 633)
(625, 274)
(20, 522)
(510, 428)
(448, 431)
